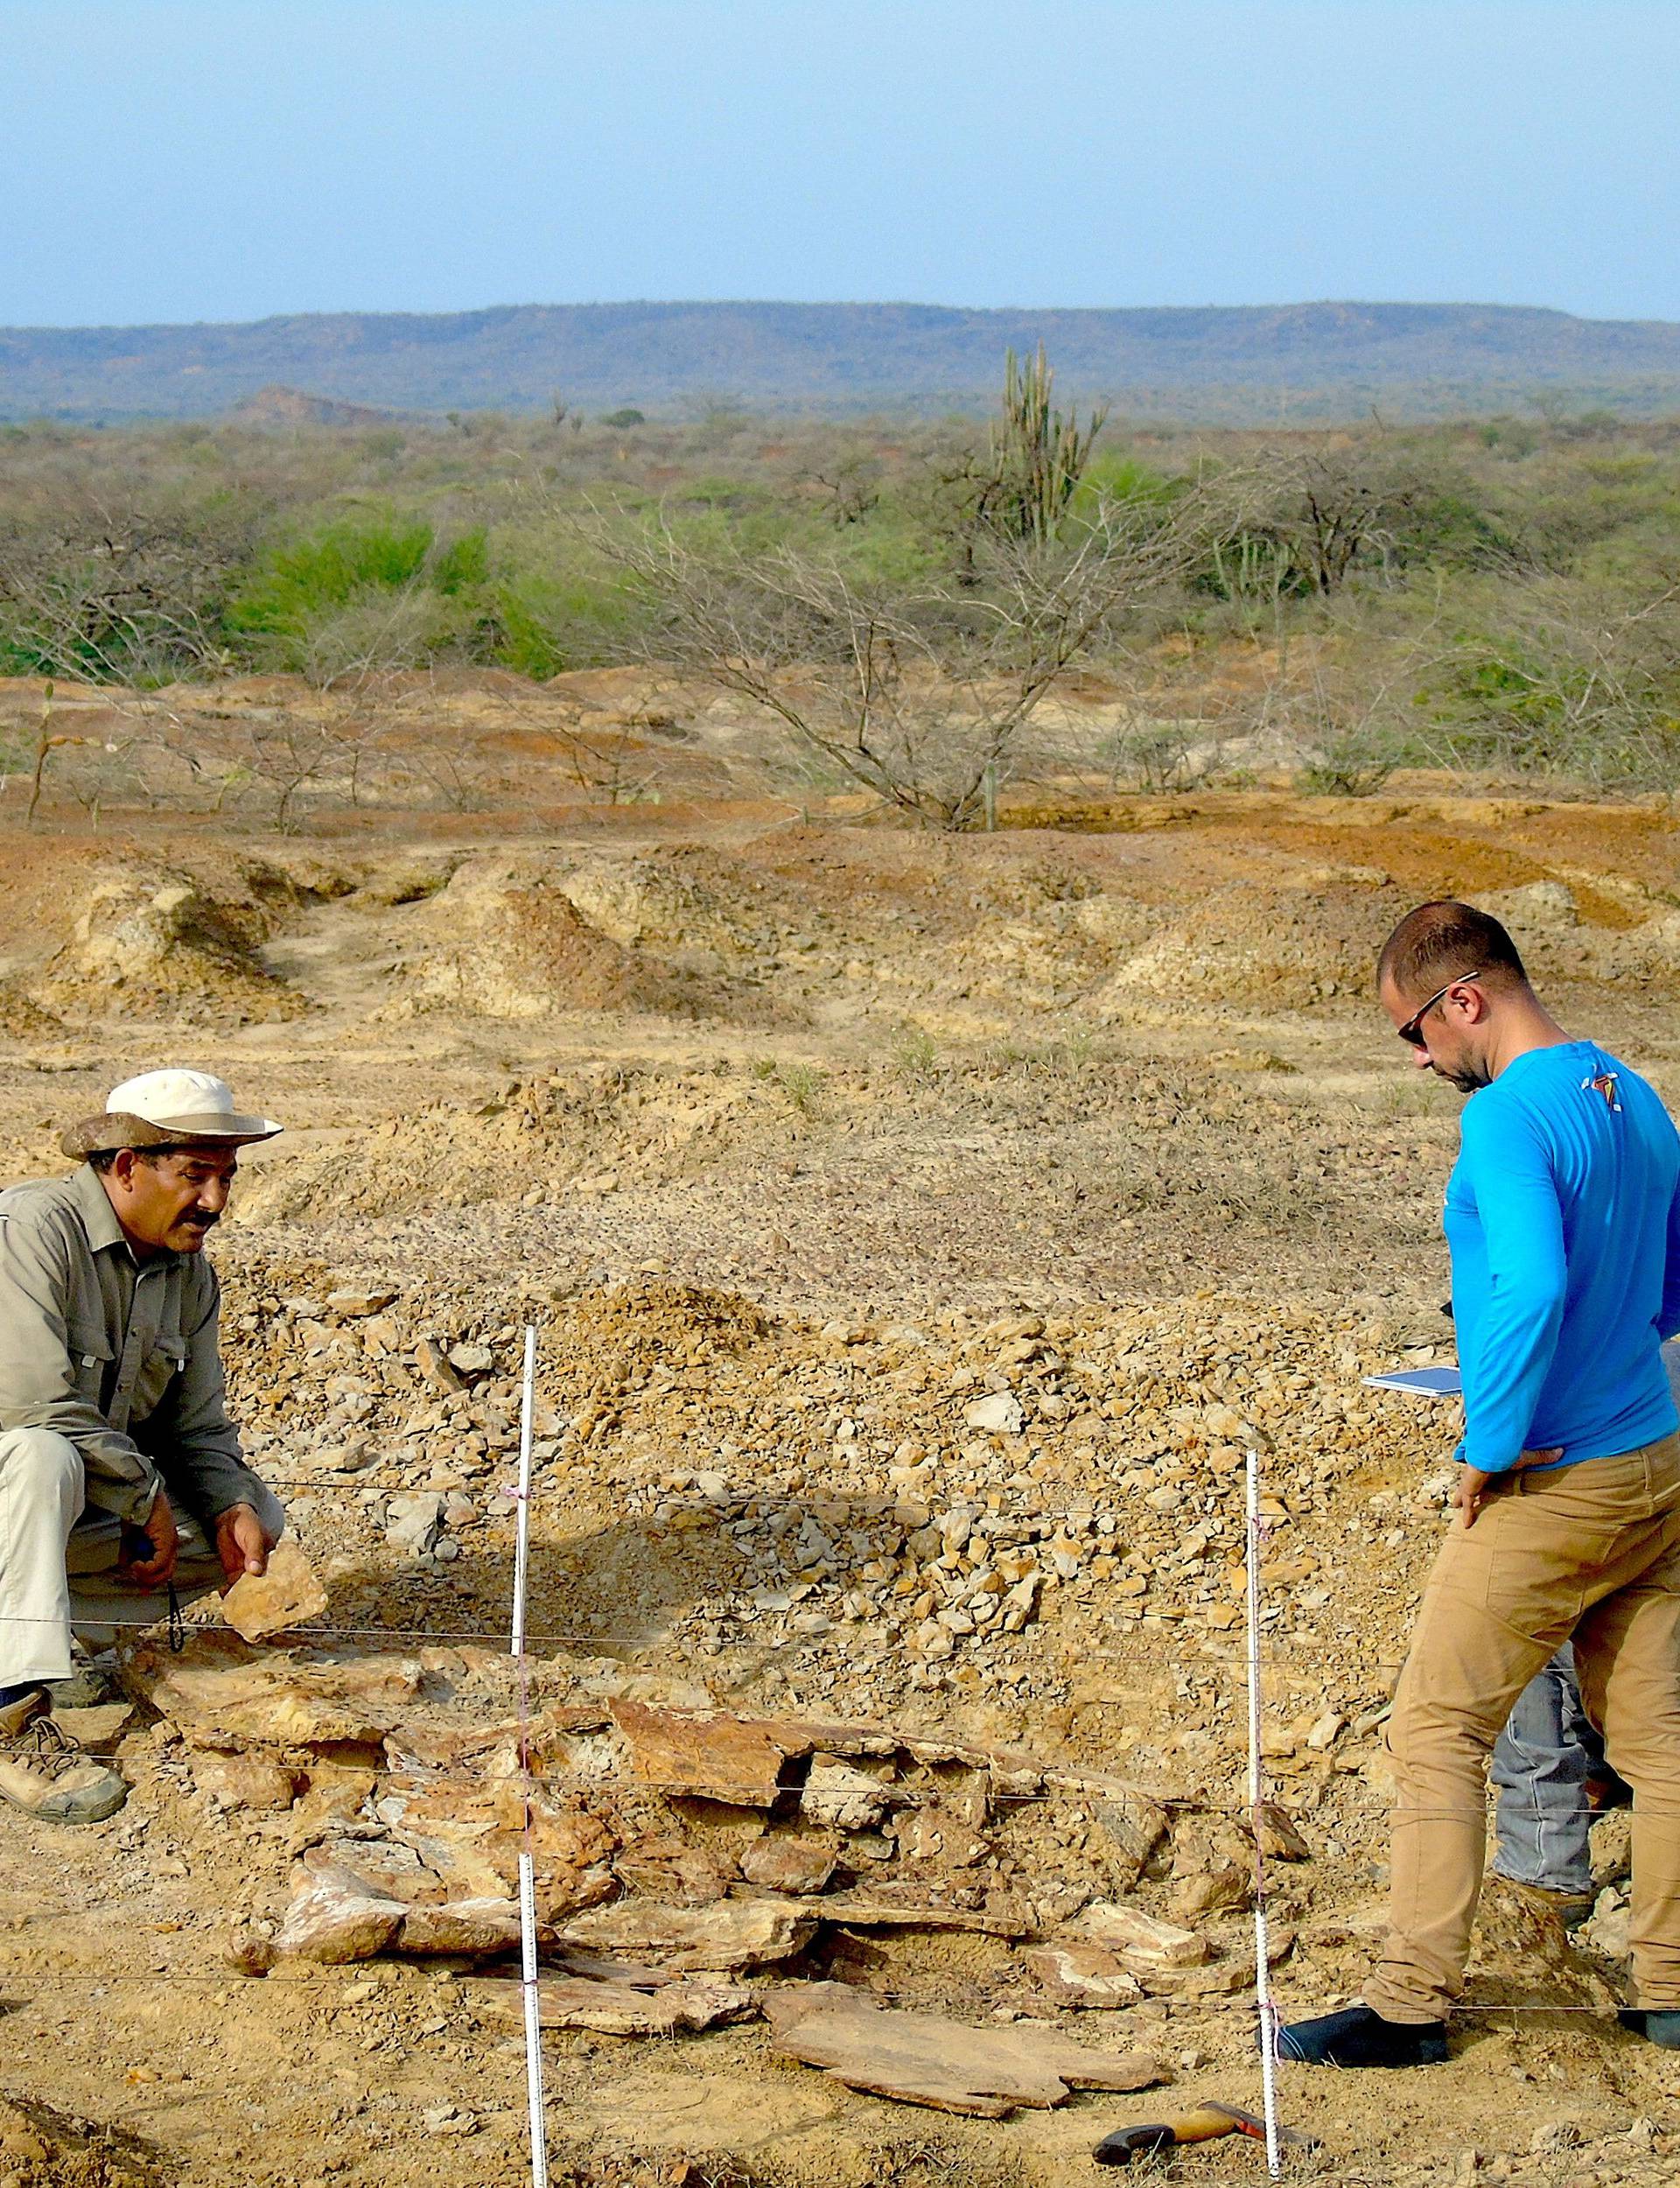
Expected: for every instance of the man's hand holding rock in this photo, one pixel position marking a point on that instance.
(242, 1544)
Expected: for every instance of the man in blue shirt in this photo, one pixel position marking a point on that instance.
(1563, 1216)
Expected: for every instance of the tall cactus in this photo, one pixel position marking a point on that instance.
(1038, 457)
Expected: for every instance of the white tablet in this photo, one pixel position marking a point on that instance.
(1430, 1382)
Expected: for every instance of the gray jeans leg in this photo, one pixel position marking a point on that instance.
(1540, 1766)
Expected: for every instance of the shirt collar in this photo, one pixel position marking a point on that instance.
(99, 1218)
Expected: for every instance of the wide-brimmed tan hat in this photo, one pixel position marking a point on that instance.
(166, 1109)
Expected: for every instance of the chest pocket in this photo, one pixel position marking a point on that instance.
(158, 1371)
(91, 1354)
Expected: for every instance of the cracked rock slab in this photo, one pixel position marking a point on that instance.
(618, 2005)
(923, 2058)
(735, 1933)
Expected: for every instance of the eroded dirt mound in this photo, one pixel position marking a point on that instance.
(114, 930)
(162, 943)
(506, 939)
(687, 899)
(574, 1135)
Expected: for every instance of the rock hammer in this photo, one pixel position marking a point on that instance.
(1206, 2121)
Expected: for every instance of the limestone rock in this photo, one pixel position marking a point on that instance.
(1214, 1978)
(471, 1928)
(839, 1797)
(246, 1781)
(1135, 1826)
(469, 1836)
(1606, 1930)
(704, 1753)
(1076, 1975)
(414, 1520)
(353, 1305)
(998, 1414)
(736, 1933)
(332, 1793)
(781, 1862)
(1210, 1890)
(334, 1918)
(932, 1834)
(287, 1595)
(432, 1362)
(680, 1876)
(220, 1693)
(97, 1728)
(1143, 1943)
(636, 2002)
(248, 1951)
(922, 2058)
(472, 1360)
(904, 1905)
(1278, 1839)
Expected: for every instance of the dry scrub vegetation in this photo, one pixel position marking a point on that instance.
(898, 607)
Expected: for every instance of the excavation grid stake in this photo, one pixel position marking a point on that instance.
(526, 1872)
(1267, 2012)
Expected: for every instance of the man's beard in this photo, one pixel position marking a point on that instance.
(1467, 1081)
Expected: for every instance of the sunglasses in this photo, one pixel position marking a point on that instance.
(1411, 1032)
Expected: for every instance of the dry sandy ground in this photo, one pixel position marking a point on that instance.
(899, 1095)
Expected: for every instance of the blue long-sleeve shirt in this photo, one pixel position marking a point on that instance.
(1563, 1217)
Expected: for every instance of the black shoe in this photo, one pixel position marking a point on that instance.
(1359, 2036)
(1655, 2028)
(1607, 1789)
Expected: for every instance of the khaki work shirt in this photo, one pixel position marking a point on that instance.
(118, 1354)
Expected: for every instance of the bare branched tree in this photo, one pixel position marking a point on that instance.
(1570, 680)
(922, 693)
(1317, 518)
(107, 593)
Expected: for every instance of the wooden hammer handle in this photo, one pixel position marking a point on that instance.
(1199, 2126)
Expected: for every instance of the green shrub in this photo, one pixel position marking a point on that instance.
(328, 571)
(321, 603)
(549, 621)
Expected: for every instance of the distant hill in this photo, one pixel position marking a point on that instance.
(289, 406)
(1305, 362)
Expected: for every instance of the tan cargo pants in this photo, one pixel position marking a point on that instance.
(1592, 1550)
(57, 1561)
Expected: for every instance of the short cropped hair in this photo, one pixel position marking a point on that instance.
(102, 1158)
(1444, 941)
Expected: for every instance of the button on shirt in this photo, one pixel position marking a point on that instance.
(117, 1354)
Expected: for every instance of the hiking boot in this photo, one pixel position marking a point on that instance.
(1607, 1789)
(1569, 1908)
(87, 1687)
(44, 1771)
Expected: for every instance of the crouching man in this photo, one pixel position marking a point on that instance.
(120, 1471)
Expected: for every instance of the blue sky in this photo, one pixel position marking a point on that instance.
(202, 160)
